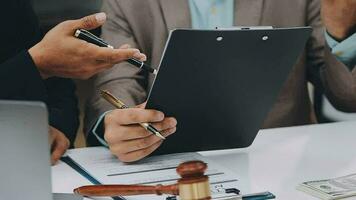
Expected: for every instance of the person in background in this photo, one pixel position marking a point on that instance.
(31, 66)
(326, 64)
(339, 18)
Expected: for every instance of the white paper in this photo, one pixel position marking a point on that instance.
(62, 196)
(107, 169)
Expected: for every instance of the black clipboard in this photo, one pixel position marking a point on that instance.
(221, 84)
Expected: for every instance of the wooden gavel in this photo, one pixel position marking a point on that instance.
(193, 185)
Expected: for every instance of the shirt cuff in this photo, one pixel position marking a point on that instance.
(95, 130)
(345, 51)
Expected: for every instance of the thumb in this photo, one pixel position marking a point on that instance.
(91, 21)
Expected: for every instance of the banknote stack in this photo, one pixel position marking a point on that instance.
(337, 188)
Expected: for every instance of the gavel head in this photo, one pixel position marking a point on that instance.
(193, 185)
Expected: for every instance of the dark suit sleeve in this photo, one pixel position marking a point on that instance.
(19, 79)
(62, 105)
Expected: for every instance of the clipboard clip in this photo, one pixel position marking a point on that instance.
(239, 28)
(234, 28)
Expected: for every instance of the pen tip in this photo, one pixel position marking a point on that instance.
(160, 136)
(102, 93)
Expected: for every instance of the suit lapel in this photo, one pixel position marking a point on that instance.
(176, 13)
(248, 12)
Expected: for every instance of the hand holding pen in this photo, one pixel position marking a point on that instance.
(117, 103)
(127, 132)
(60, 54)
(93, 39)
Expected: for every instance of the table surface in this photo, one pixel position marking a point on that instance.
(277, 161)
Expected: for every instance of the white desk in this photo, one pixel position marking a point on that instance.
(277, 161)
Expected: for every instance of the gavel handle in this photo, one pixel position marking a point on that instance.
(125, 190)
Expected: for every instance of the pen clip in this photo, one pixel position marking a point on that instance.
(91, 34)
(88, 34)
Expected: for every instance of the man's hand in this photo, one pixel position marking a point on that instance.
(128, 140)
(339, 17)
(61, 54)
(59, 144)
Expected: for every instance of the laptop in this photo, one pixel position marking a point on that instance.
(221, 84)
(25, 171)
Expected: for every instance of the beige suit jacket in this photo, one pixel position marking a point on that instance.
(145, 24)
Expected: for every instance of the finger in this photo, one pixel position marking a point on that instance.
(140, 56)
(169, 132)
(137, 55)
(115, 134)
(115, 55)
(167, 123)
(144, 58)
(134, 116)
(124, 147)
(136, 144)
(58, 153)
(90, 22)
(125, 46)
(99, 62)
(137, 155)
(118, 134)
(131, 132)
(60, 147)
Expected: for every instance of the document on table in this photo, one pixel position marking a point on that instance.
(107, 169)
(57, 196)
(336, 188)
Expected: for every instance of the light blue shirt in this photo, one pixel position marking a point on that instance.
(344, 51)
(94, 129)
(209, 14)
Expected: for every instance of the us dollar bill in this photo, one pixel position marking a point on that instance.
(329, 189)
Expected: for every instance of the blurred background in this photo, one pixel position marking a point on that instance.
(52, 12)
